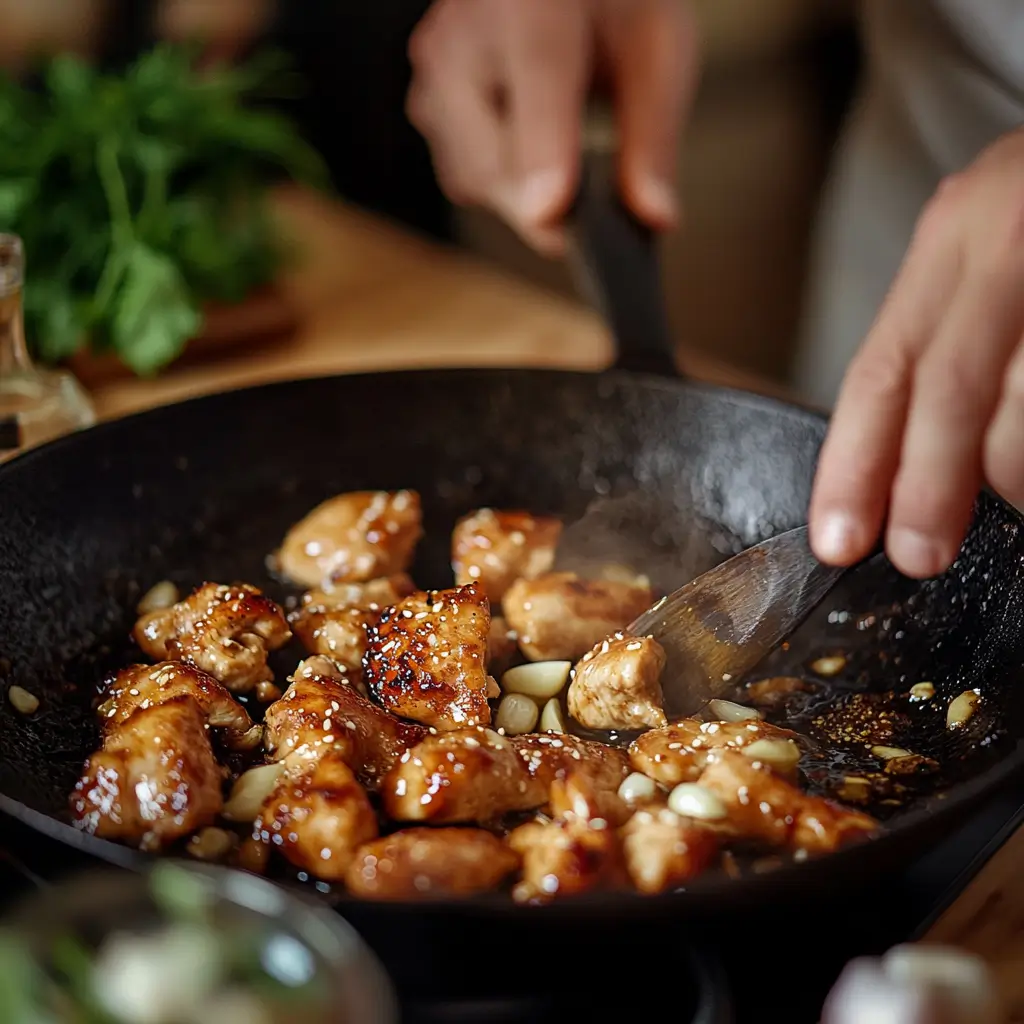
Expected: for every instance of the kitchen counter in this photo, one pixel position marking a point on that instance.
(369, 296)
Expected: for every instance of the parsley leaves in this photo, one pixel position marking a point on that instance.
(140, 197)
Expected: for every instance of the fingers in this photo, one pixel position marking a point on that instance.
(1004, 445)
(498, 91)
(548, 49)
(956, 390)
(452, 101)
(652, 53)
(861, 454)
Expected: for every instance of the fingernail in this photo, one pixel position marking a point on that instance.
(834, 537)
(539, 196)
(914, 554)
(658, 199)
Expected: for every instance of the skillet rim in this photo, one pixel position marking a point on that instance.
(707, 891)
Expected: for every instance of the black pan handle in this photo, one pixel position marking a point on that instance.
(615, 259)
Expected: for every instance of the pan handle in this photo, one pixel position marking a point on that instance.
(614, 258)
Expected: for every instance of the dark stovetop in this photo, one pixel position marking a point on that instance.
(785, 964)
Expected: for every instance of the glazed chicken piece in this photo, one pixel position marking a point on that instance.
(154, 780)
(559, 617)
(333, 620)
(463, 775)
(356, 537)
(495, 548)
(553, 757)
(577, 852)
(664, 850)
(430, 862)
(617, 685)
(426, 658)
(317, 816)
(321, 712)
(227, 631)
(478, 775)
(142, 686)
(765, 807)
(678, 753)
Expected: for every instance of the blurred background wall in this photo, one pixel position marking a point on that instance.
(778, 76)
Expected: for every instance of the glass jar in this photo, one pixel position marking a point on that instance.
(35, 405)
(185, 944)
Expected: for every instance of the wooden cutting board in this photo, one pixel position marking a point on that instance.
(369, 296)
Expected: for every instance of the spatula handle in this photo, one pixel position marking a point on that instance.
(615, 257)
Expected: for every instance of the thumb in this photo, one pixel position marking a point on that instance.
(651, 48)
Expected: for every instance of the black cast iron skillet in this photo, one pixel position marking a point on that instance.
(206, 488)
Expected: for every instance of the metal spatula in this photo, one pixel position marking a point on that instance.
(722, 624)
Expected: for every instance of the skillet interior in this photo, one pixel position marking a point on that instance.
(205, 489)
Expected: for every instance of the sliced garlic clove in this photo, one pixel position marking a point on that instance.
(22, 701)
(517, 714)
(251, 788)
(637, 788)
(961, 708)
(267, 691)
(729, 711)
(160, 596)
(890, 753)
(540, 680)
(211, 844)
(782, 755)
(551, 718)
(830, 665)
(692, 800)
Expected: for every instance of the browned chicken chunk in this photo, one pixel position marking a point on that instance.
(577, 852)
(496, 548)
(478, 775)
(677, 753)
(551, 757)
(333, 620)
(763, 806)
(141, 686)
(359, 536)
(559, 617)
(426, 658)
(617, 685)
(664, 850)
(155, 779)
(227, 631)
(420, 863)
(317, 816)
(321, 713)
(463, 775)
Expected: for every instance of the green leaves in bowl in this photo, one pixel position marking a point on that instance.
(140, 197)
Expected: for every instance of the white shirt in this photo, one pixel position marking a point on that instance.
(945, 79)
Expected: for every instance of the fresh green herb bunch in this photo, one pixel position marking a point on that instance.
(140, 197)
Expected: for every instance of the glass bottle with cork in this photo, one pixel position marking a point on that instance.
(36, 405)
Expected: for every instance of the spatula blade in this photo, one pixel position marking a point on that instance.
(723, 623)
